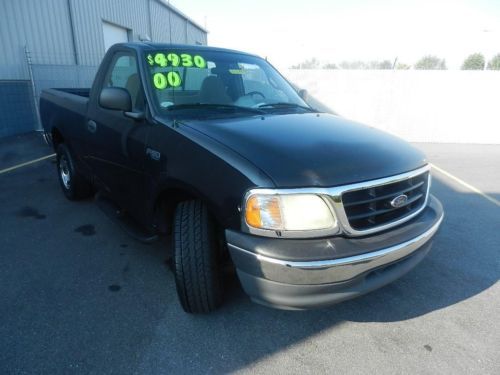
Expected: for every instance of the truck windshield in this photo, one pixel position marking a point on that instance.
(210, 80)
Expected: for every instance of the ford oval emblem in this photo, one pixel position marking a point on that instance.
(399, 201)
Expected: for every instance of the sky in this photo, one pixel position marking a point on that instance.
(289, 31)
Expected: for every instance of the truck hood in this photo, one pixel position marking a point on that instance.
(302, 150)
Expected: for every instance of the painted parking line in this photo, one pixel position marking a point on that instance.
(10, 169)
(467, 185)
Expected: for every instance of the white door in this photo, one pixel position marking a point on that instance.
(113, 34)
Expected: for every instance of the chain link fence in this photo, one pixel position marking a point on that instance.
(45, 73)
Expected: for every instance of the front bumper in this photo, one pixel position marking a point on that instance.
(300, 274)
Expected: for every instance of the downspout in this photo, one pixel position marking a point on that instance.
(150, 26)
(72, 28)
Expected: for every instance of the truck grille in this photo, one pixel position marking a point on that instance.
(371, 207)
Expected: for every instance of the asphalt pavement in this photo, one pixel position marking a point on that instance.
(77, 295)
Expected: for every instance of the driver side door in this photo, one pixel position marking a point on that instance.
(117, 146)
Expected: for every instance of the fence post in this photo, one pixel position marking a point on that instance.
(38, 124)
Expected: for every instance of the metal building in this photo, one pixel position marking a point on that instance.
(60, 43)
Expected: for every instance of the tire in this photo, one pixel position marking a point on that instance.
(73, 184)
(196, 258)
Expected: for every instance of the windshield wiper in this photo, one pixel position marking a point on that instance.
(286, 105)
(213, 106)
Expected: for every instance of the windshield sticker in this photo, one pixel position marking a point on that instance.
(161, 81)
(199, 62)
(237, 71)
(185, 60)
(166, 104)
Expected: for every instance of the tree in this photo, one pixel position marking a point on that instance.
(474, 62)
(430, 62)
(307, 64)
(402, 66)
(353, 65)
(330, 66)
(494, 63)
(385, 64)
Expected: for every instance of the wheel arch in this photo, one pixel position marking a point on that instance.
(169, 197)
(57, 137)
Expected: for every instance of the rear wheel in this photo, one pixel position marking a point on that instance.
(196, 258)
(73, 184)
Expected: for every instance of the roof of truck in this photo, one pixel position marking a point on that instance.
(146, 46)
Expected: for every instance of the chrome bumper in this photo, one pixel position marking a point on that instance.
(327, 271)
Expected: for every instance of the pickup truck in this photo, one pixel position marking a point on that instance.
(215, 148)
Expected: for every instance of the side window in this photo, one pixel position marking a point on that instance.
(124, 73)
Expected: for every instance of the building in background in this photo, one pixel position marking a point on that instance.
(60, 43)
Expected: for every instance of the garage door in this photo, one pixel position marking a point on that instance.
(113, 34)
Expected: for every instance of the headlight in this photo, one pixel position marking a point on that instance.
(289, 212)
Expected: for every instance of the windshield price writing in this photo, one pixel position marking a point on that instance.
(173, 59)
(163, 80)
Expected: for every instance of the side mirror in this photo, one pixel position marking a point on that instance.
(303, 94)
(115, 98)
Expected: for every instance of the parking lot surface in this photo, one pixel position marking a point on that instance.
(79, 296)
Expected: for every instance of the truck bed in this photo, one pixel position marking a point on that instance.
(85, 92)
(64, 107)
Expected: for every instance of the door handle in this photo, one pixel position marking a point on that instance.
(91, 126)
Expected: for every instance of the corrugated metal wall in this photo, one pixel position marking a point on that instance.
(41, 25)
(179, 26)
(183, 31)
(45, 28)
(88, 17)
(160, 22)
(195, 35)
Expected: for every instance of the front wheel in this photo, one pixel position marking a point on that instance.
(73, 184)
(196, 258)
